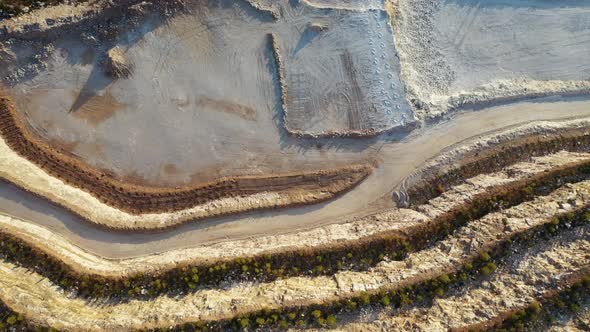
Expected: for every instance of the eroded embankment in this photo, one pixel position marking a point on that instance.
(40, 301)
(433, 180)
(25, 174)
(294, 189)
(67, 265)
(564, 298)
(544, 270)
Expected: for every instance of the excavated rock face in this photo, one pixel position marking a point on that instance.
(116, 64)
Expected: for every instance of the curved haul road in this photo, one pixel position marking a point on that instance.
(399, 159)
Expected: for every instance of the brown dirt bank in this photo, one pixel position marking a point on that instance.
(575, 285)
(41, 301)
(433, 181)
(356, 255)
(137, 199)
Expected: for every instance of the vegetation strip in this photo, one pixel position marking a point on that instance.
(137, 199)
(479, 266)
(565, 298)
(12, 321)
(351, 255)
(496, 158)
(226, 303)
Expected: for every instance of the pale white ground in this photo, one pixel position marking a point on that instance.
(69, 12)
(399, 161)
(323, 95)
(39, 300)
(347, 4)
(204, 95)
(203, 100)
(383, 221)
(451, 48)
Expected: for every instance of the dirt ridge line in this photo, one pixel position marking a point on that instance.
(86, 205)
(244, 299)
(513, 285)
(563, 287)
(394, 244)
(137, 199)
(431, 181)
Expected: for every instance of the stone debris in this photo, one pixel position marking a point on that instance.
(116, 63)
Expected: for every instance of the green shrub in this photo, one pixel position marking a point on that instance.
(351, 304)
(316, 314)
(331, 320)
(574, 307)
(11, 320)
(260, 321)
(439, 292)
(244, 323)
(484, 257)
(365, 298)
(488, 269)
(534, 308)
(445, 279)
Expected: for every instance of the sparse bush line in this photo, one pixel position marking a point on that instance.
(565, 298)
(494, 159)
(17, 322)
(478, 267)
(356, 255)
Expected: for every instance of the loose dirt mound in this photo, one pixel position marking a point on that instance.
(116, 64)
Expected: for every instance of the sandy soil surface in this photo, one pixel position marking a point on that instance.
(202, 93)
(399, 161)
(458, 52)
(41, 302)
(390, 220)
(199, 129)
(178, 98)
(342, 72)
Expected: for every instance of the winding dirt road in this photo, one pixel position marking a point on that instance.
(400, 157)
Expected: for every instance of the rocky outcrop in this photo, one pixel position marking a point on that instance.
(116, 64)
